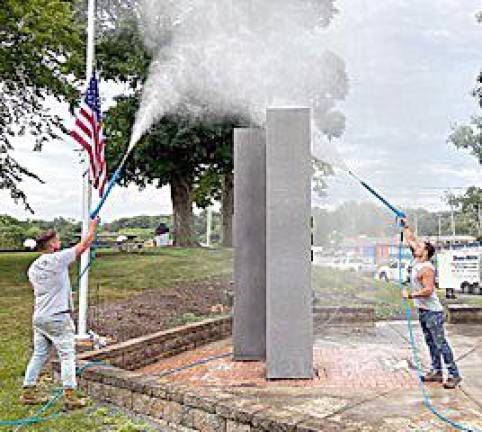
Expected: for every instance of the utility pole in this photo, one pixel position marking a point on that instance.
(439, 226)
(479, 218)
(452, 214)
(209, 215)
(416, 225)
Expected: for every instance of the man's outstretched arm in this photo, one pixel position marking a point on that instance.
(408, 234)
(85, 243)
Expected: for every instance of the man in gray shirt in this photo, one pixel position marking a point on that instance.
(52, 324)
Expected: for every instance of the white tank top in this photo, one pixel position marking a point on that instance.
(431, 303)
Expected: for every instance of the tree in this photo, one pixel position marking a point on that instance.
(40, 55)
(469, 137)
(470, 206)
(125, 52)
(177, 151)
(183, 152)
(217, 181)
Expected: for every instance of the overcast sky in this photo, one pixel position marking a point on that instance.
(411, 64)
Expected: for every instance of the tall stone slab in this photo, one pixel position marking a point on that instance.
(249, 322)
(289, 316)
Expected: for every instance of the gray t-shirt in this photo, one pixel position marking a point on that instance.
(49, 276)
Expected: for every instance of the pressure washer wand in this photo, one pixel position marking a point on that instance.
(398, 213)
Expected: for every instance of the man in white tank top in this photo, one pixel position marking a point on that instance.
(430, 310)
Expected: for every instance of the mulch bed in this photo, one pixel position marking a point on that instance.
(157, 310)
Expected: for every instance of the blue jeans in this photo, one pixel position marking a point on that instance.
(433, 329)
(57, 332)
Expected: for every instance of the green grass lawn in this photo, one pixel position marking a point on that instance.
(348, 288)
(120, 275)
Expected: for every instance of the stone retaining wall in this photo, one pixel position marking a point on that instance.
(143, 351)
(465, 314)
(193, 409)
(324, 316)
(176, 405)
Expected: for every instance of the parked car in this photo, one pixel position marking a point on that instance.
(354, 264)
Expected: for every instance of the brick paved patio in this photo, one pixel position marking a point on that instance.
(364, 380)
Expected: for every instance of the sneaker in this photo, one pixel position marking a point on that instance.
(31, 396)
(72, 401)
(452, 382)
(433, 376)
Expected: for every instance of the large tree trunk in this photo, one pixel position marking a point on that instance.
(181, 195)
(227, 202)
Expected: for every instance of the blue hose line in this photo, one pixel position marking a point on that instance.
(111, 184)
(89, 264)
(85, 269)
(194, 364)
(400, 214)
(90, 364)
(57, 394)
(426, 398)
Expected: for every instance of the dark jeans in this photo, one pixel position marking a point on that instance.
(433, 329)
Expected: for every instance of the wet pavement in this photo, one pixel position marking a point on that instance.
(364, 379)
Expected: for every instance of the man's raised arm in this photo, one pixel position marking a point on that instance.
(408, 234)
(85, 243)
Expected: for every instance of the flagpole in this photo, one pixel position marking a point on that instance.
(86, 190)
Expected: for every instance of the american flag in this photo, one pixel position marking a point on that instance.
(88, 133)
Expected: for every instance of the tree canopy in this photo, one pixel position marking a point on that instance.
(469, 136)
(470, 207)
(41, 52)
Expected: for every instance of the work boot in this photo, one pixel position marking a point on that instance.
(31, 396)
(72, 401)
(452, 382)
(433, 376)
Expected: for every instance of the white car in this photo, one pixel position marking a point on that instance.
(354, 264)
